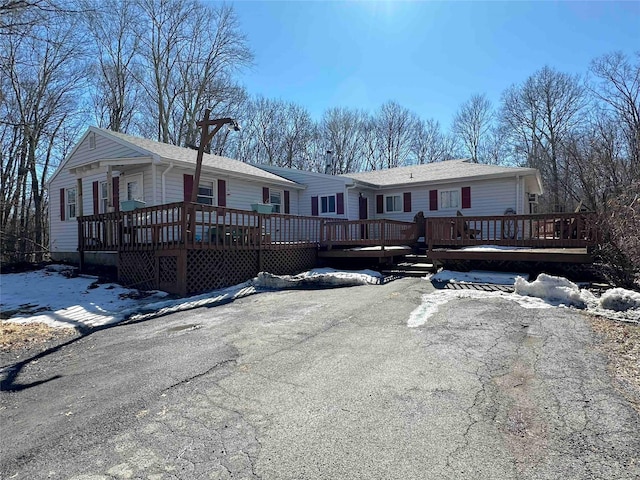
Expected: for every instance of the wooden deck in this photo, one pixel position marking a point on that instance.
(187, 248)
(546, 255)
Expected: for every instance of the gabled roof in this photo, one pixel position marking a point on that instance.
(210, 162)
(439, 172)
(187, 157)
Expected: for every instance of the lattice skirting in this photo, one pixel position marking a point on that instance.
(211, 269)
(137, 270)
(187, 272)
(287, 262)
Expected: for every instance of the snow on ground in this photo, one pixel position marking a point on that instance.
(492, 248)
(545, 292)
(477, 276)
(379, 248)
(55, 297)
(318, 277)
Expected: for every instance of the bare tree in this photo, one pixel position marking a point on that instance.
(393, 125)
(114, 29)
(618, 87)
(189, 52)
(540, 115)
(342, 132)
(428, 143)
(472, 123)
(42, 80)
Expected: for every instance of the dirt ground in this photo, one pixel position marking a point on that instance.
(621, 344)
(21, 341)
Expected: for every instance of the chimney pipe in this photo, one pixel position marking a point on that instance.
(328, 163)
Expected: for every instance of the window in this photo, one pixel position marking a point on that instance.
(103, 196)
(70, 203)
(449, 198)
(393, 203)
(134, 187)
(275, 199)
(92, 141)
(328, 204)
(205, 193)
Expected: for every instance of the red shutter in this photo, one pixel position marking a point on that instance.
(314, 206)
(116, 193)
(96, 199)
(466, 197)
(433, 199)
(340, 203)
(62, 205)
(222, 193)
(265, 195)
(187, 186)
(379, 203)
(406, 200)
(287, 202)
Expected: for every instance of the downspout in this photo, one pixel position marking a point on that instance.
(154, 180)
(164, 183)
(518, 209)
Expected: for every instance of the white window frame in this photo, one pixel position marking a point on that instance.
(103, 197)
(327, 208)
(396, 208)
(442, 194)
(277, 206)
(137, 177)
(207, 183)
(70, 208)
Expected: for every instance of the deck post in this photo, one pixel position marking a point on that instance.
(80, 245)
(261, 240)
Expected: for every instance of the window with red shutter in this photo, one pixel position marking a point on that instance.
(340, 203)
(406, 200)
(433, 199)
(466, 197)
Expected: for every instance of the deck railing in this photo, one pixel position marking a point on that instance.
(381, 232)
(196, 226)
(544, 230)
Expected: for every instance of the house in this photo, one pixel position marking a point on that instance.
(437, 189)
(107, 171)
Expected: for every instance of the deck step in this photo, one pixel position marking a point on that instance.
(405, 273)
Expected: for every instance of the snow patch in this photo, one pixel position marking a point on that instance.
(56, 297)
(546, 291)
(318, 277)
(620, 300)
(556, 290)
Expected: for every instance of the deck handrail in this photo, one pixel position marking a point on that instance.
(198, 226)
(535, 230)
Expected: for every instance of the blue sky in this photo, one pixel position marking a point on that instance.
(428, 56)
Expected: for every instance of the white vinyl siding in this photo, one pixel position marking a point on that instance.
(318, 185)
(63, 236)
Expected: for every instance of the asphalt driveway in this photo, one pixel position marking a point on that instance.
(327, 384)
